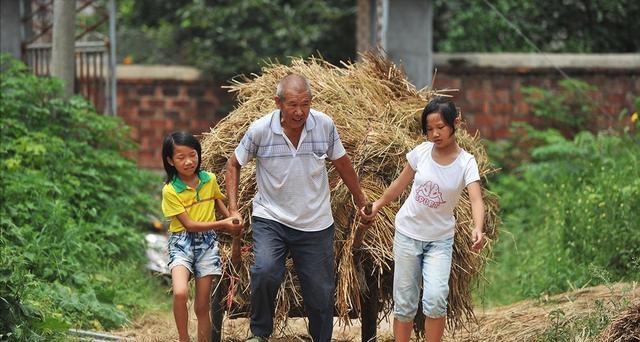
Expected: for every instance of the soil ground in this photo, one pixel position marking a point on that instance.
(517, 322)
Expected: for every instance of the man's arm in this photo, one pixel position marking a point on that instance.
(221, 208)
(350, 179)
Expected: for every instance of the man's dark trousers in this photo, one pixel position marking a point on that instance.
(312, 254)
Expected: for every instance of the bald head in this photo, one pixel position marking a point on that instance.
(292, 83)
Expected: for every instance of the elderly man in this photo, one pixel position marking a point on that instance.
(291, 209)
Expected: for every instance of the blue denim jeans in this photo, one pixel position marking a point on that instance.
(312, 254)
(416, 262)
(197, 251)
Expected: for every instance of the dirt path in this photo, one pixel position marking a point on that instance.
(517, 322)
(159, 327)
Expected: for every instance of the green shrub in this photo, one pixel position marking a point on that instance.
(569, 197)
(70, 246)
(571, 108)
(575, 205)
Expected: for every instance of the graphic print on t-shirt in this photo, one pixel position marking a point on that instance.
(429, 194)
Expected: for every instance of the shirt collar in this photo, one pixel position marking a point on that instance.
(179, 186)
(276, 127)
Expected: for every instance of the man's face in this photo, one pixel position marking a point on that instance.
(294, 108)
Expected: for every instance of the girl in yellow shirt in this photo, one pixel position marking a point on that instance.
(189, 200)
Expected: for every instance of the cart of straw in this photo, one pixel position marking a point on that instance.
(377, 113)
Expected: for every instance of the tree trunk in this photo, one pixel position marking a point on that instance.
(63, 50)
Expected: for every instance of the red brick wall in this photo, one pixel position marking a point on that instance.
(155, 108)
(490, 99)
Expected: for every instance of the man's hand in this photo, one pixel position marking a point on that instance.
(234, 225)
(367, 216)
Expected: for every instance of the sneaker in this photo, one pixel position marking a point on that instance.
(257, 339)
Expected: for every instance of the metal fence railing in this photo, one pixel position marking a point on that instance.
(92, 69)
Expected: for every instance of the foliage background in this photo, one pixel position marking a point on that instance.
(71, 243)
(570, 199)
(569, 194)
(580, 26)
(227, 38)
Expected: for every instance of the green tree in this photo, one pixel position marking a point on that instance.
(227, 38)
(553, 26)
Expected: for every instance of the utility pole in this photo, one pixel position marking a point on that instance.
(63, 50)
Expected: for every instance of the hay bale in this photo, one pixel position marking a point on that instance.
(377, 113)
(624, 328)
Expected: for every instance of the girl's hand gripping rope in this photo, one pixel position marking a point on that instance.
(366, 219)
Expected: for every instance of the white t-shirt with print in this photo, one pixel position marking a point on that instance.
(427, 214)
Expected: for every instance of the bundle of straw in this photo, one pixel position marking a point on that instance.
(624, 328)
(377, 114)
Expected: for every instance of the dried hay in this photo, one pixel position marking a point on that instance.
(624, 328)
(377, 113)
(528, 320)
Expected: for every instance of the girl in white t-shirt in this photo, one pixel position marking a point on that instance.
(425, 223)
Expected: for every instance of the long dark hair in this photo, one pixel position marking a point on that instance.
(445, 107)
(182, 139)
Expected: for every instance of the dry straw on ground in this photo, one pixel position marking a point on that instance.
(625, 327)
(376, 111)
(529, 320)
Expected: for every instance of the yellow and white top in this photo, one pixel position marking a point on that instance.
(199, 203)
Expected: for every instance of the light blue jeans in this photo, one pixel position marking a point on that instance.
(426, 263)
